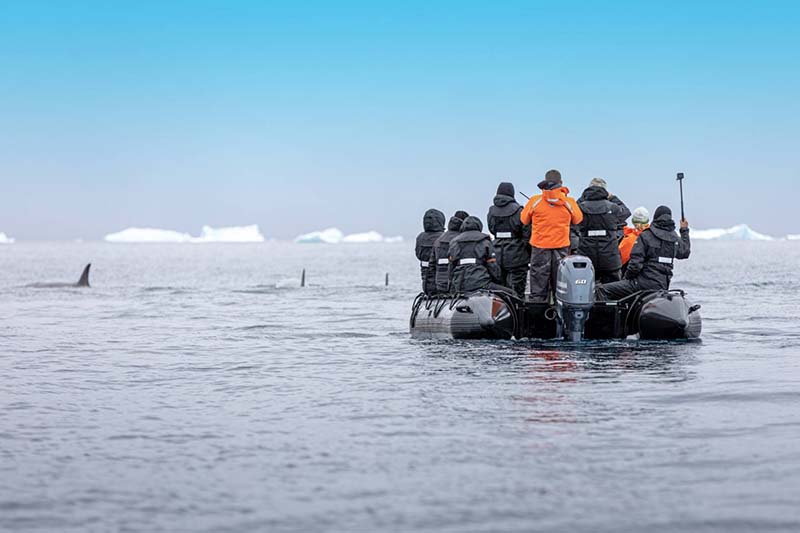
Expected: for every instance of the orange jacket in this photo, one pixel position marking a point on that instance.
(627, 242)
(551, 214)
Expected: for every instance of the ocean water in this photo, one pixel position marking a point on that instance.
(199, 388)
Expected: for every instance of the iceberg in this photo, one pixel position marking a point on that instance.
(370, 236)
(208, 234)
(335, 236)
(5, 239)
(742, 232)
(147, 235)
(326, 236)
(230, 234)
(793, 237)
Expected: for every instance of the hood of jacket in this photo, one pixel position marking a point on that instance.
(663, 227)
(502, 200)
(594, 193)
(454, 224)
(472, 224)
(433, 220)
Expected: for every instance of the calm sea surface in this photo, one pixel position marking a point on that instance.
(199, 388)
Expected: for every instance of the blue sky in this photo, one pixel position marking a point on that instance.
(301, 115)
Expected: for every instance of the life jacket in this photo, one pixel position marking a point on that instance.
(551, 214)
(627, 242)
(510, 235)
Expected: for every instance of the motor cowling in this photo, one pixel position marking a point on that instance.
(574, 295)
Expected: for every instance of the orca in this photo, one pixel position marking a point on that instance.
(82, 282)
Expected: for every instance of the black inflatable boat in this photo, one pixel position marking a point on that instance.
(575, 315)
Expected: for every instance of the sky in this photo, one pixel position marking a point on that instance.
(302, 115)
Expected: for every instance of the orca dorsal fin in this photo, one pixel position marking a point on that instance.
(84, 281)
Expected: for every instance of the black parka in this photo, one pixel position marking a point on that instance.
(511, 236)
(440, 255)
(473, 264)
(598, 230)
(655, 252)
(624, 215)
(433, 224)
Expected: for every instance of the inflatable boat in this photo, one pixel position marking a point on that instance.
(575, 315)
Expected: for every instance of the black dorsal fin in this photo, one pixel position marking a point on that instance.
(84, 281)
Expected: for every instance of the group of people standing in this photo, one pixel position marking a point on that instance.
(530, 241)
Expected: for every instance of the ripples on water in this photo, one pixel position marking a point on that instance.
(199, 388)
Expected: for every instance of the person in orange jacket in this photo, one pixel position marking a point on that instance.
(641, 221)
(551, 214)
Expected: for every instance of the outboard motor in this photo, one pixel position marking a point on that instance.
(574, 295)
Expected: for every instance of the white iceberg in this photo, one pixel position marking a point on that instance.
(793, 237)
(742, 232)
(326, 236)
(335, 236)
(209, 234)
(230, 234)
(370, 236)
(5, 239)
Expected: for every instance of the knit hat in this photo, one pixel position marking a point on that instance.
(506, 189)
(661, 211)
(553, 176)
(598, 182)
(461, 214)
(641, 215)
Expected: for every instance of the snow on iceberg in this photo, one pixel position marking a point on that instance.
(230, 234)
(335, 236)
(5, 239)
(370, 236)
(209, 234)
(147, 235)
(742, 232)
(327, 236)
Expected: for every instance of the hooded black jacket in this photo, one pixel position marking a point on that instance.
(512, 245)
(655, 252)
(598, 231)
(472, 259)
(440, 255)
(433, 224)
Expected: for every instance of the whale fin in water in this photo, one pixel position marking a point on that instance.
(84, 281)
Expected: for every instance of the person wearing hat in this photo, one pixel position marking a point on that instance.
(598, 232)
(550, 215)
(440, 255)
(641, 221)
(511, 238)
(433, 226)
(473, 264)
(624, 214)
(652, 258)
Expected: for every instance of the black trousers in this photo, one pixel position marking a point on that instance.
(515, 279)
(607, 276)
(617, 290)
(544, 272)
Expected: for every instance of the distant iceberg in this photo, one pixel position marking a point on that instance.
(5, 239)
(147, 235)
(335, 236)
(326, 236)
(370, 236)
(742, 232)
(208, 234)
(230, 234)
(793, 237)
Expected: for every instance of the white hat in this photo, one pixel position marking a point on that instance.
(641, 215)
